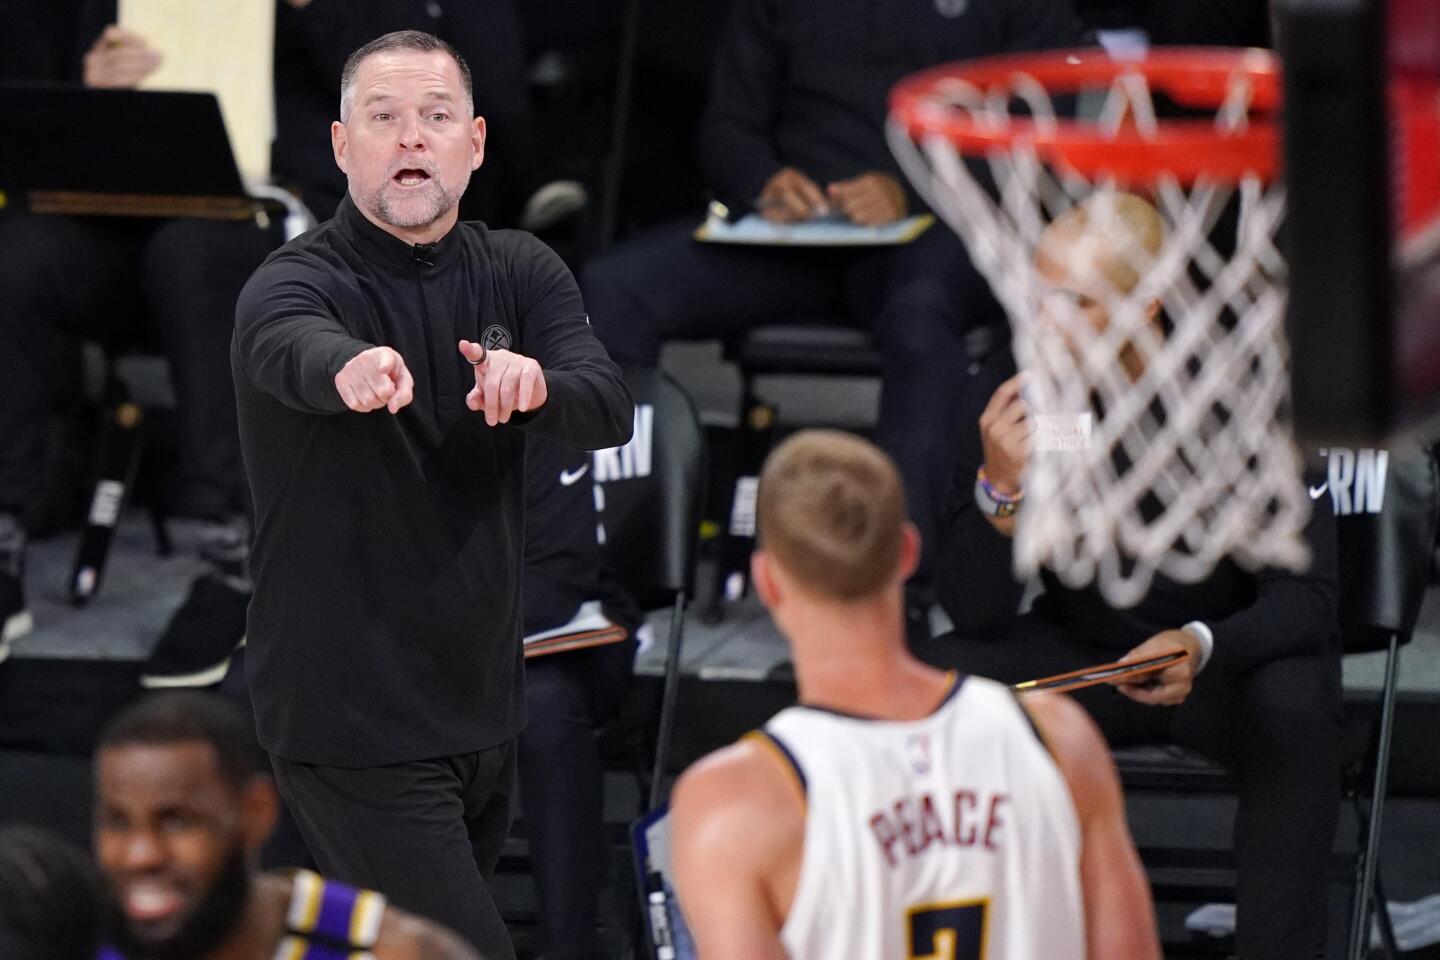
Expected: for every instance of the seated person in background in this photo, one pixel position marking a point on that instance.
(170, 282)
(795, 129)
(180, 814)
(569, 694)
(897, 809)
(1260, 692)
(49, 897)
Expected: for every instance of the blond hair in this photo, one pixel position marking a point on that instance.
(1112, 236)
(832, 514)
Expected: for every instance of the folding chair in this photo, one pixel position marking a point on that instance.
(649, 495)
(650, 492)
(826, 348)
(1386, 539)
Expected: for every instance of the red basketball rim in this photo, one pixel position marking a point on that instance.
(1189, 149)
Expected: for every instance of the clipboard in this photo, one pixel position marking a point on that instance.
(157, 154)
(755, 230)
(665, 926)
(1100, 673)
(588, 628)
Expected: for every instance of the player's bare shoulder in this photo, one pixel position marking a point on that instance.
(1076, 744)
(740, 790)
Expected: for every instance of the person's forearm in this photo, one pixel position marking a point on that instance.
(288, 345)
(588, 407)
(1290, 617)
(296, 363)
(974, 577)
(1119, 919)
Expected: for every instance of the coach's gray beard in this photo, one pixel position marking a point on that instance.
(439, 202)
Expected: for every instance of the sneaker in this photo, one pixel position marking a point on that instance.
(202, 636)
(552, 203)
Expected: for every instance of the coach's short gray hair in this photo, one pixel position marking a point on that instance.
(400, 40)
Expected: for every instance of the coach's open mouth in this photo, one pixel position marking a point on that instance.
(410, 177)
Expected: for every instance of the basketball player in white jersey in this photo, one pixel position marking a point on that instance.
(898, 811)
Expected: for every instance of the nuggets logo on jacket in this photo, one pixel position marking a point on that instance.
(495, 337)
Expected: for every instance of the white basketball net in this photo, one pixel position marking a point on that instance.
(1192, 459)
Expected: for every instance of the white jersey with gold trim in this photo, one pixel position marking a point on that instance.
(950, 836)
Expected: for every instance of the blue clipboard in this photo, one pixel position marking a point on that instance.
(665, 927)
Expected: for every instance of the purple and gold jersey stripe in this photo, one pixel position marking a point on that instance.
(330, 921)
(773, 745)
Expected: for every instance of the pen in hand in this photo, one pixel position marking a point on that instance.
(789, 196)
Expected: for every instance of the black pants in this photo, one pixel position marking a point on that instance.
(170, 283)
(1276, 728)
(569, 695)
(919, 299)
(427, 834)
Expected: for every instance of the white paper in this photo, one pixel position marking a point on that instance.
(1063, 431)
(824, 232)
(587, 619)
(224, 47)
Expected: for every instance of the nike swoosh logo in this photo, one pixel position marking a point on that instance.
(567, 478)
(1317, 492)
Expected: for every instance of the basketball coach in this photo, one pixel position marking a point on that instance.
(388, 367)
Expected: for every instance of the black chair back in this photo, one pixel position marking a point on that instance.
(651, 491)
(1387, 510)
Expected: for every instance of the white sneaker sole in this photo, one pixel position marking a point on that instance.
(16, 626)
(200, 678)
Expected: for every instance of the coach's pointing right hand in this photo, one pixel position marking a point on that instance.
(506, 383)
(375, 378)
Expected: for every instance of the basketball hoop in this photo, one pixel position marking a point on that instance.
(1162, 440)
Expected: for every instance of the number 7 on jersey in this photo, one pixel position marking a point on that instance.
(947, 931)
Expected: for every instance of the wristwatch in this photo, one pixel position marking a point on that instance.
(992, 502)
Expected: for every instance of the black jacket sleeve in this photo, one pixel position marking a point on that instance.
(974, 575)
(1293, 614)
(288, 339)
(738, 153)
(588, 404)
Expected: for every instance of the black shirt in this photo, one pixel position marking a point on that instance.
(1255, 617)
(385, 625)
(564, 566)
(806, 83)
